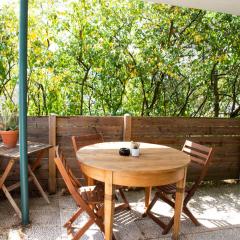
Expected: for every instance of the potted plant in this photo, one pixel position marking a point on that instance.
(9, 126)
(135, 151)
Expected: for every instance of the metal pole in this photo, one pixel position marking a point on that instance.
(23, 109)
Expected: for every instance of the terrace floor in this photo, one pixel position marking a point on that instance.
(217, 207)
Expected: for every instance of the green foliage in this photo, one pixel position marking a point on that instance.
(113, 57)
(8, 117)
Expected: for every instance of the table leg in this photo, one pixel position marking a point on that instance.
(108, 206)
(148, 191)
(12, 202)
(39, 187)
(4, 188)
(6, 172)
(32, 168)
(180, 185)
(38, 160)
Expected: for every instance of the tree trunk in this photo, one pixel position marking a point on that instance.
(214, 84)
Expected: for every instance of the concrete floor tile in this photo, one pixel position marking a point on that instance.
(181, 237)
(129, 231)
(217, 208)
(150, 229)
(162, 238)
(3, 233)
(17, 234)
(89, 235)
(6, 204)
(38, 232)
(93, 234)
(79, 222)
(42, 217)
(38, 203)
(8, 218)
(66, 202)
(220, 234)
(125, 227)
(187, 226)
(126, 216)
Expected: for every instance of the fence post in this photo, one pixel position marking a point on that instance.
(52, 182)
(127, 127)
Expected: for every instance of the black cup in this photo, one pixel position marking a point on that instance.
(124, 151)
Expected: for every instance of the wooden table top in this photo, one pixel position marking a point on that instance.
(153, 158)
(14, 152)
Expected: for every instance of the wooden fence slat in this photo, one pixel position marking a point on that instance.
(127, 127)
(52, 184)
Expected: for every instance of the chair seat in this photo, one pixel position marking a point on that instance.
(101, 185)
(92, 194)
(170, 189)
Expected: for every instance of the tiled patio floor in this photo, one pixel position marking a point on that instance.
(216, 207)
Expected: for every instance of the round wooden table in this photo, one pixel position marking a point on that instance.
(157, 165)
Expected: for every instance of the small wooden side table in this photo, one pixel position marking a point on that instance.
(12, 154)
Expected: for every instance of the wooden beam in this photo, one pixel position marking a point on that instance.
(52, 183)
(127, 127)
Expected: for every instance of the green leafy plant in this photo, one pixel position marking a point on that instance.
(8, 118)
(135, 145)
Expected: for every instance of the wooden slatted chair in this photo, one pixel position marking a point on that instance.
(88, 199)
(84, 140)
(200, 155)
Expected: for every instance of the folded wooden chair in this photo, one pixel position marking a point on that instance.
(84, 140)
(200, 155)
(88, 199)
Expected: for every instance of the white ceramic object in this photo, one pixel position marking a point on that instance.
(135, 152)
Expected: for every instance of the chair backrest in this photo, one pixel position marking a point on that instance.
(72, 185)
(68, 177)
(73, 189)
(200, 155)
(84, 140)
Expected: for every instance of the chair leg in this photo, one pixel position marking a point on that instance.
(150, 214)
(156, 220)
(168, 226)
(148, 210)
(152, 203)
(83, 229)
(125, 204)
(124, 198)
(185, 210)
(73, 217)
(113, 237)
(190, 215)
(163, 197)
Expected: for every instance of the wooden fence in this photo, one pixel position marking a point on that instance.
(222, 134)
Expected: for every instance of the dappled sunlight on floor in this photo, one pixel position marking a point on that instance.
(216, 207)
